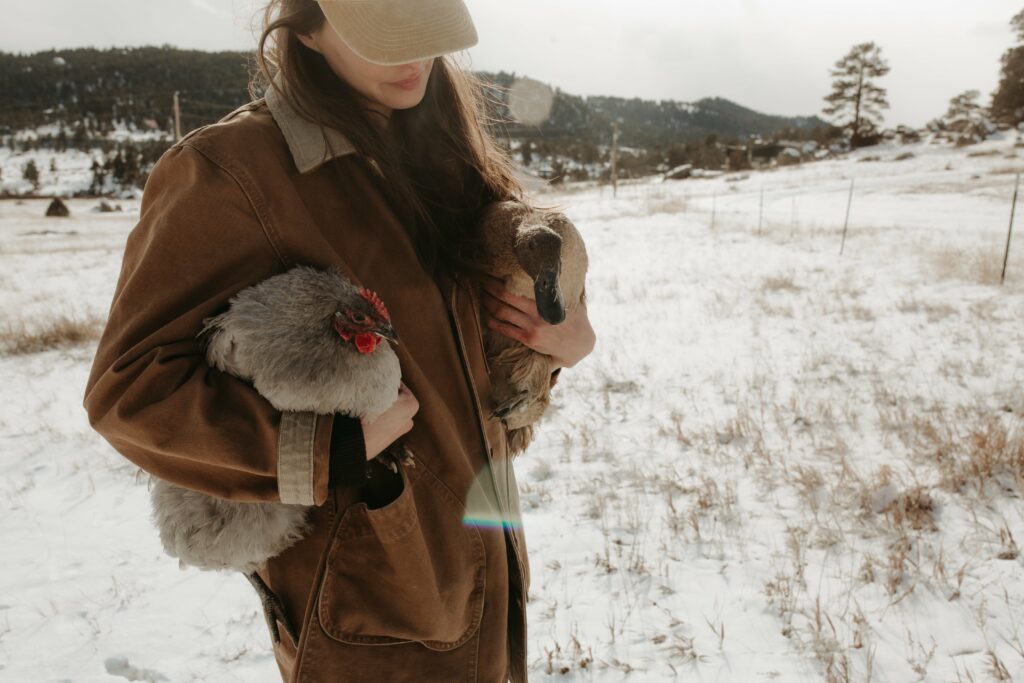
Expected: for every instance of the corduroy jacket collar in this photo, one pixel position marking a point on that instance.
(310, 145)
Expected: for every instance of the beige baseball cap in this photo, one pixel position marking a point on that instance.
(400, 31)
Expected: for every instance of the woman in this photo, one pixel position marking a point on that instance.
(366, 153)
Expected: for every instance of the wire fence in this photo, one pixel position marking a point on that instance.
(847, 208)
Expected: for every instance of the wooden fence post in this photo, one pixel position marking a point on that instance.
(177, 118)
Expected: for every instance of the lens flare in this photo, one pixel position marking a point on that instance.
(530, 101)
(482, 508)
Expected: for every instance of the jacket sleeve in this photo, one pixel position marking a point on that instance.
(151, 392)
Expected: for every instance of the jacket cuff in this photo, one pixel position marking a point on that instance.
(303, 452)
(348, 465)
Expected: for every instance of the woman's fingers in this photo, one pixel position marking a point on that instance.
(524, 304)
(507, 313)
(510, 331)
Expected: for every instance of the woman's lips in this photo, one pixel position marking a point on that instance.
(408, 84)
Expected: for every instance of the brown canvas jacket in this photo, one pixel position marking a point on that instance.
(429, 587)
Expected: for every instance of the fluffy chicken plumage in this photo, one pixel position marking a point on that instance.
(308, 340)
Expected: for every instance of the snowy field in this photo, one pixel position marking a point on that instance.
(779, 464)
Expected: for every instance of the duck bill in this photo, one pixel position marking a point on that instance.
(549, 297)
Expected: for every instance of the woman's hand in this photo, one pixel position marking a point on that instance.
(385, 429)
(516, 317)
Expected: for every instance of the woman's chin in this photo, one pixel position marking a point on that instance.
(406, 100)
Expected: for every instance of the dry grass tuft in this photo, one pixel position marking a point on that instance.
(992, 452)
(572, 657)
(899, 577)
(979, 265)
(62, 331)
(935, 311)
(810, 484)
(779, 283)
(913, 507)
(984, 451)
(1007, 170)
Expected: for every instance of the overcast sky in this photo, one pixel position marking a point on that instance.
(770, 55)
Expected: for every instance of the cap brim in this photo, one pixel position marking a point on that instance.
(393, 32)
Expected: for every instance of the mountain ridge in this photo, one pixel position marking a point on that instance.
(99, 86)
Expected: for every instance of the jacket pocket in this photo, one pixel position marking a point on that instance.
(410, 571)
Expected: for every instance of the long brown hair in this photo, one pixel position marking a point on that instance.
(440, 163)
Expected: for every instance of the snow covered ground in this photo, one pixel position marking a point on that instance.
(65, 173)
(779, 463)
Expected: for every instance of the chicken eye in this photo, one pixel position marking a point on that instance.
(359, 318)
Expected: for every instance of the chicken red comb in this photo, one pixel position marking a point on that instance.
(375, 301)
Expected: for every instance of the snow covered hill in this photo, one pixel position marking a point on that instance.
(779, 463)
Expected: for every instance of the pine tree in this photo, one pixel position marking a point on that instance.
(964, 105)
(557, 172)
(965, 122)
(1008, 99)
(131, 165)
(119, 167)
(856, 102)
(99, 176)
(80, 136)
(31, 173)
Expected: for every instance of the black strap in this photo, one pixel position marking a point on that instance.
(348, 465)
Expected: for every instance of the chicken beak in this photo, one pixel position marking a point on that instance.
(388, 332)
(549, 297)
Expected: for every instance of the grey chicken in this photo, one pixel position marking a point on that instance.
(308, 340)
(540, 255)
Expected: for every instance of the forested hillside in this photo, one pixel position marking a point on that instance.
(119, 102)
